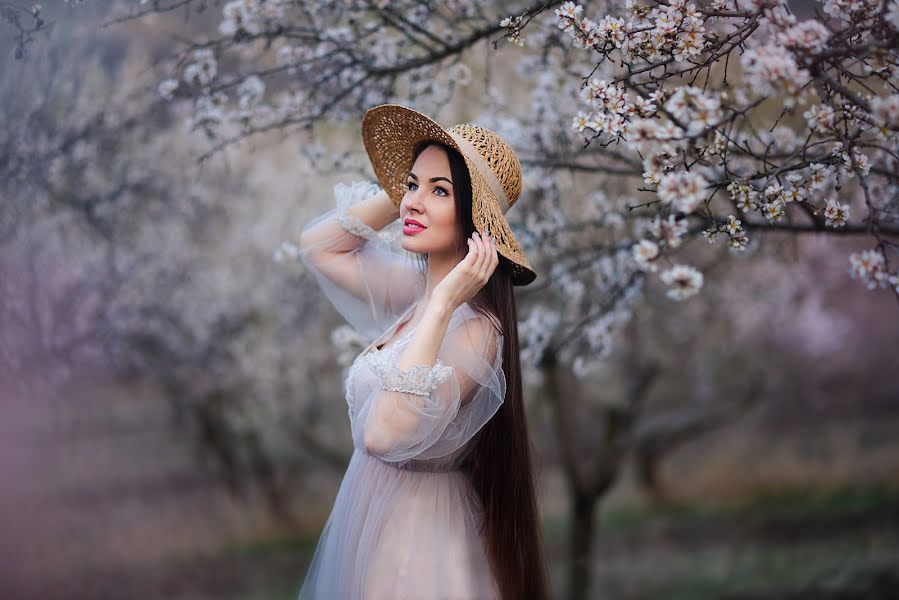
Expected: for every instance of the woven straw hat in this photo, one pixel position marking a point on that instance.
(390, 133)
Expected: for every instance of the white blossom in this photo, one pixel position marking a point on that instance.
(695, 107)
(167, 88)
(869, 267)
(203, 69)
(892, 15)
(743, 194)
(820, 117)
(850, 9)
(645, 252)
(684, 281)
(670, 230)
(772, 69)
(859, 158)
(250, 92)
(682, 189)
(738, 241)
(208, 110)
(569, 10)
(820, 175)
(886, 110)
(774, 210)
(808, 35)
(835, 213)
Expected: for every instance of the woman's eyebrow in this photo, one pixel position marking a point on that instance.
(433, 179)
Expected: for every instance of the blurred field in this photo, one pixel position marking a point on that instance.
(110, 502)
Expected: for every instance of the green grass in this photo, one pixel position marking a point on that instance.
(780, 504)
(773, 543)
(751, 570)
(799, 504)
(303, 545)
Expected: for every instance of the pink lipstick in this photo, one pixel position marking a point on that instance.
(411, 227)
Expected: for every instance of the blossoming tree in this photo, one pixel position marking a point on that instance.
(667, 93)
(639, 131)
(725, 119)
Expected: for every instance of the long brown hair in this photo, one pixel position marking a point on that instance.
(501, 468)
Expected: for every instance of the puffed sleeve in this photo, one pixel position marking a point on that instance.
(429, 411)
(365, 274)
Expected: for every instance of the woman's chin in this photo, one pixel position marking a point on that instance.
(407, 243)
(411, 245)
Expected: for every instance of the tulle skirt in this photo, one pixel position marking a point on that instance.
(398, 533)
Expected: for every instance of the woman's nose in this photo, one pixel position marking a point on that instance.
(414, 201)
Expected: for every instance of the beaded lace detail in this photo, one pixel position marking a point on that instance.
(420, 380)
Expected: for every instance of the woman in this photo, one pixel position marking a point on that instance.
(438, 499)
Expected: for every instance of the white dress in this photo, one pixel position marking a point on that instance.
(406, 522)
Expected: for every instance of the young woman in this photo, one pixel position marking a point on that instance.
(438, 499)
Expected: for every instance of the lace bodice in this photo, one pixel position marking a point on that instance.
(440, 395)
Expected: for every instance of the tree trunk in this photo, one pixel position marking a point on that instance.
(648, 466)
(583, 508)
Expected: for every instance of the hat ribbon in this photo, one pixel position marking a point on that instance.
(483, 168)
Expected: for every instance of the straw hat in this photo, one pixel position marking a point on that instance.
(390, 133)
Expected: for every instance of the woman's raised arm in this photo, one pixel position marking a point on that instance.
(347, 249)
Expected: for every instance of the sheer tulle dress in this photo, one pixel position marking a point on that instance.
(406, 522)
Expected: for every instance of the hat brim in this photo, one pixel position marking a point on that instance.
(391, 132)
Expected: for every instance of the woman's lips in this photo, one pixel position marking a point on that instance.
(410, 229)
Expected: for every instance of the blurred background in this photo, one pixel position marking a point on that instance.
(171, 382)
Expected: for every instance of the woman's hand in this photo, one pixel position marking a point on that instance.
(471, 274)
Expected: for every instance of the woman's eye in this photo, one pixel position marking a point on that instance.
(409, 185)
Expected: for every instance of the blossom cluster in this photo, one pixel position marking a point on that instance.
(683, 190)
(772, 69)
(869, 267)
(251, 17)
(689, 135)
(733, 229)
(611, 109)
(674, 29)
(211, 108)
(684, 281)
(513, 27)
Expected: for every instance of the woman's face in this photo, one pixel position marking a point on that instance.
(430, 201)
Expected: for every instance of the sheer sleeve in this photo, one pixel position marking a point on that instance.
(364, 273)
(429, 411)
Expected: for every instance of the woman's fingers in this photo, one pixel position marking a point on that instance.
(494, 256)
(484, 258)
(473, 252)
(482, 255)
(489, 251)
(477, 249)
